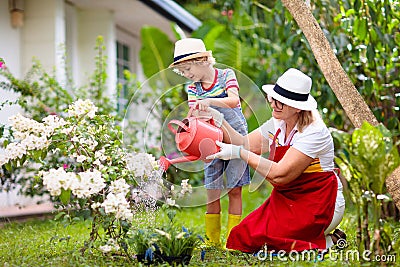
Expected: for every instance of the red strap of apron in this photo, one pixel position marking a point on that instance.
(290, 137)
(272, 148)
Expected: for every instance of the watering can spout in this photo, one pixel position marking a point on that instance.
(166, 163)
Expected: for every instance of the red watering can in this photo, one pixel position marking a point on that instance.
(194, 136)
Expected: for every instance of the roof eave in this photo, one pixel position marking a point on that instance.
(174, 12)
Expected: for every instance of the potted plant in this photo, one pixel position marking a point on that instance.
(169, 242)
(143, 243)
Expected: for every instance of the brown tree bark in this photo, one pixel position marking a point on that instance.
(350, 99)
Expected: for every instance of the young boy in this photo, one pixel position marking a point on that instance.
(219, 89)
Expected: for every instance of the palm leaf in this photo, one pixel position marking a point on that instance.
(157, 51)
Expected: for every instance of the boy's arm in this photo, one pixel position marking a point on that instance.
(231, 87)
(231, 101)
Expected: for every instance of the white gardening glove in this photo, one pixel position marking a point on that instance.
(227, 152)
(217, 116)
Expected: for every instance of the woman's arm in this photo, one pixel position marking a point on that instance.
(286, 170)
(254, 141)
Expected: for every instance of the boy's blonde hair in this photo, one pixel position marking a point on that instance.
(198, 60)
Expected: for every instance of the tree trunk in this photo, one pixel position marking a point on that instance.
(350, 99)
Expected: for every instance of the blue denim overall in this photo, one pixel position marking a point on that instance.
(236, 170)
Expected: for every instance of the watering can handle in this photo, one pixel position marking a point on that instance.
(191, 111)
(179, 123)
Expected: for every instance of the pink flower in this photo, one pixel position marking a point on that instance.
(230, 14)
(65, 166)
(2, 65)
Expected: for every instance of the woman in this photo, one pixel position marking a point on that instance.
(306, 203)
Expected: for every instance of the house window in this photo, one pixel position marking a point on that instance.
(123, 63)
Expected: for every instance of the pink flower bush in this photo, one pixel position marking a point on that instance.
(2, 64)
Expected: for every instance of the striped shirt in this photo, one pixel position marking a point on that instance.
(218, 89)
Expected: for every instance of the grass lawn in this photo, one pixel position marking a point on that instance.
(49, 243)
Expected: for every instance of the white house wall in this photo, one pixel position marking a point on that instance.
(71, 45)
(10, 51)
(43, 35)
(93, 23)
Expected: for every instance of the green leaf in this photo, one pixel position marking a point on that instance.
(65, 196)
(82, 202)
(36, 154)
(234, 53)
(357, 5)
(204, 30)
(84, 214)
(361, 28)
(344, 169)
(171, 213)
(156, 53)
(241, 18)
(213, 35)
(22, 160)
(373, 156)
(8, 166)
(350, 12)
(393, 123)
(369, 86)
(397, 38)
(371, 53)
(59, 215)
(44, 154)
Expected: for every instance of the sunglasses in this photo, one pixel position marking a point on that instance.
(279, 105)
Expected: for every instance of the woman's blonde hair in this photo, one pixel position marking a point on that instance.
(306, 117)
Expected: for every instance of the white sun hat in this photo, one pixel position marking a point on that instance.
(293, 89)
(189, 48)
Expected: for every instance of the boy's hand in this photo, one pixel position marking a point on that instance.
(217, 116)
(202, 104)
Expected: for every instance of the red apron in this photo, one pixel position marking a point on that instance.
(294, 217)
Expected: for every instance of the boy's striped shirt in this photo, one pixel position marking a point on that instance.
(216, 89)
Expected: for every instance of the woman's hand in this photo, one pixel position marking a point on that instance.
(227, 152)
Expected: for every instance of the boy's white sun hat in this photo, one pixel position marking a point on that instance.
(189, 48)
(293, 89)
